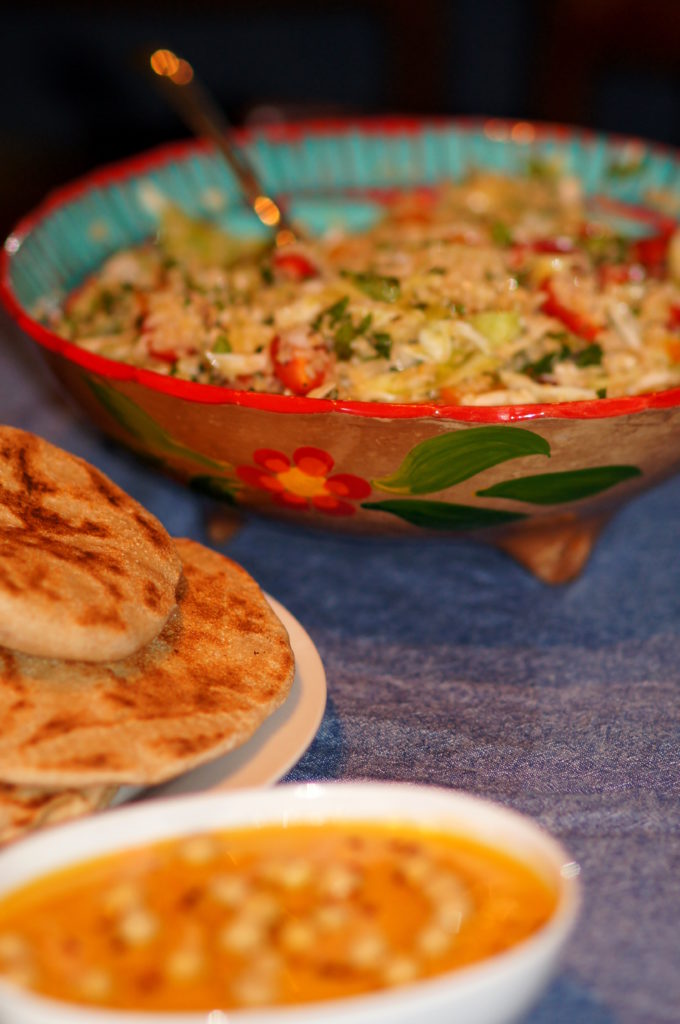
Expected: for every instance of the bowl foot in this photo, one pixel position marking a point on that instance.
(555, 551)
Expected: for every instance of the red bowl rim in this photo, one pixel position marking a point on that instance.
(211, 394)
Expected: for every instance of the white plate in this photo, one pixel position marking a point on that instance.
(279, 742)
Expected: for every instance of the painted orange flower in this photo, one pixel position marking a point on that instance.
(304, 482)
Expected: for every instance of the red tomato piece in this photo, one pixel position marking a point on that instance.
(674, 318)
(296, 373)
(296, 376)
(651, 252)
(167, 355)
(293, 265)
(449, 396)
(577, 322)
(620, 273)
(560, 244)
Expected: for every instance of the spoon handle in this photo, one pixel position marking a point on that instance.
(199, 111)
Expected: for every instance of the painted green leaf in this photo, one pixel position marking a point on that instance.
(144, 428)
(447, 459)
(215, 487)
(442, 515)
(554, 488)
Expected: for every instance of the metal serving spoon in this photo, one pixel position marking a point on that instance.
(199, 111)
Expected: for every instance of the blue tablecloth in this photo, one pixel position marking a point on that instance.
(448, 664)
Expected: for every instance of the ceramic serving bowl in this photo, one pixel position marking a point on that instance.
(540, 481)
(494, 991)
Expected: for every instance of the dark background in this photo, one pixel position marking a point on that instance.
(76, 93)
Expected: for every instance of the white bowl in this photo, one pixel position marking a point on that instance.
(494, 991)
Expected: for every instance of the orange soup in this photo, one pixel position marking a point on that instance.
(267, 916)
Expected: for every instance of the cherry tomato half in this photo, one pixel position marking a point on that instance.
(577, 322)
(296, 373)
(293, 265)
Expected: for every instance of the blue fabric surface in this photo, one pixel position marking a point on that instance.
(448, 664)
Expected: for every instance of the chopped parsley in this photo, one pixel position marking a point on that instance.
(590, 356)
(337, 311)
(346, 333)
(222, 344)
(501, 234)
(105, 302)
(333, 313)
(336, 318)
(545, 365)
(343, 338)
(382, 342)
(376, 286)
(607, 248)
(522, 276)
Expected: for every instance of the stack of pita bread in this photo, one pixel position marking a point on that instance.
(126, 657)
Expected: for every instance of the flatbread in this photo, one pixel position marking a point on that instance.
(85, 572)
(221, 664)
(24, 808)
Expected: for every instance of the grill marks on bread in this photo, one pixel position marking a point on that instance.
(85, 571)
(220, 665)
(114, 666)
